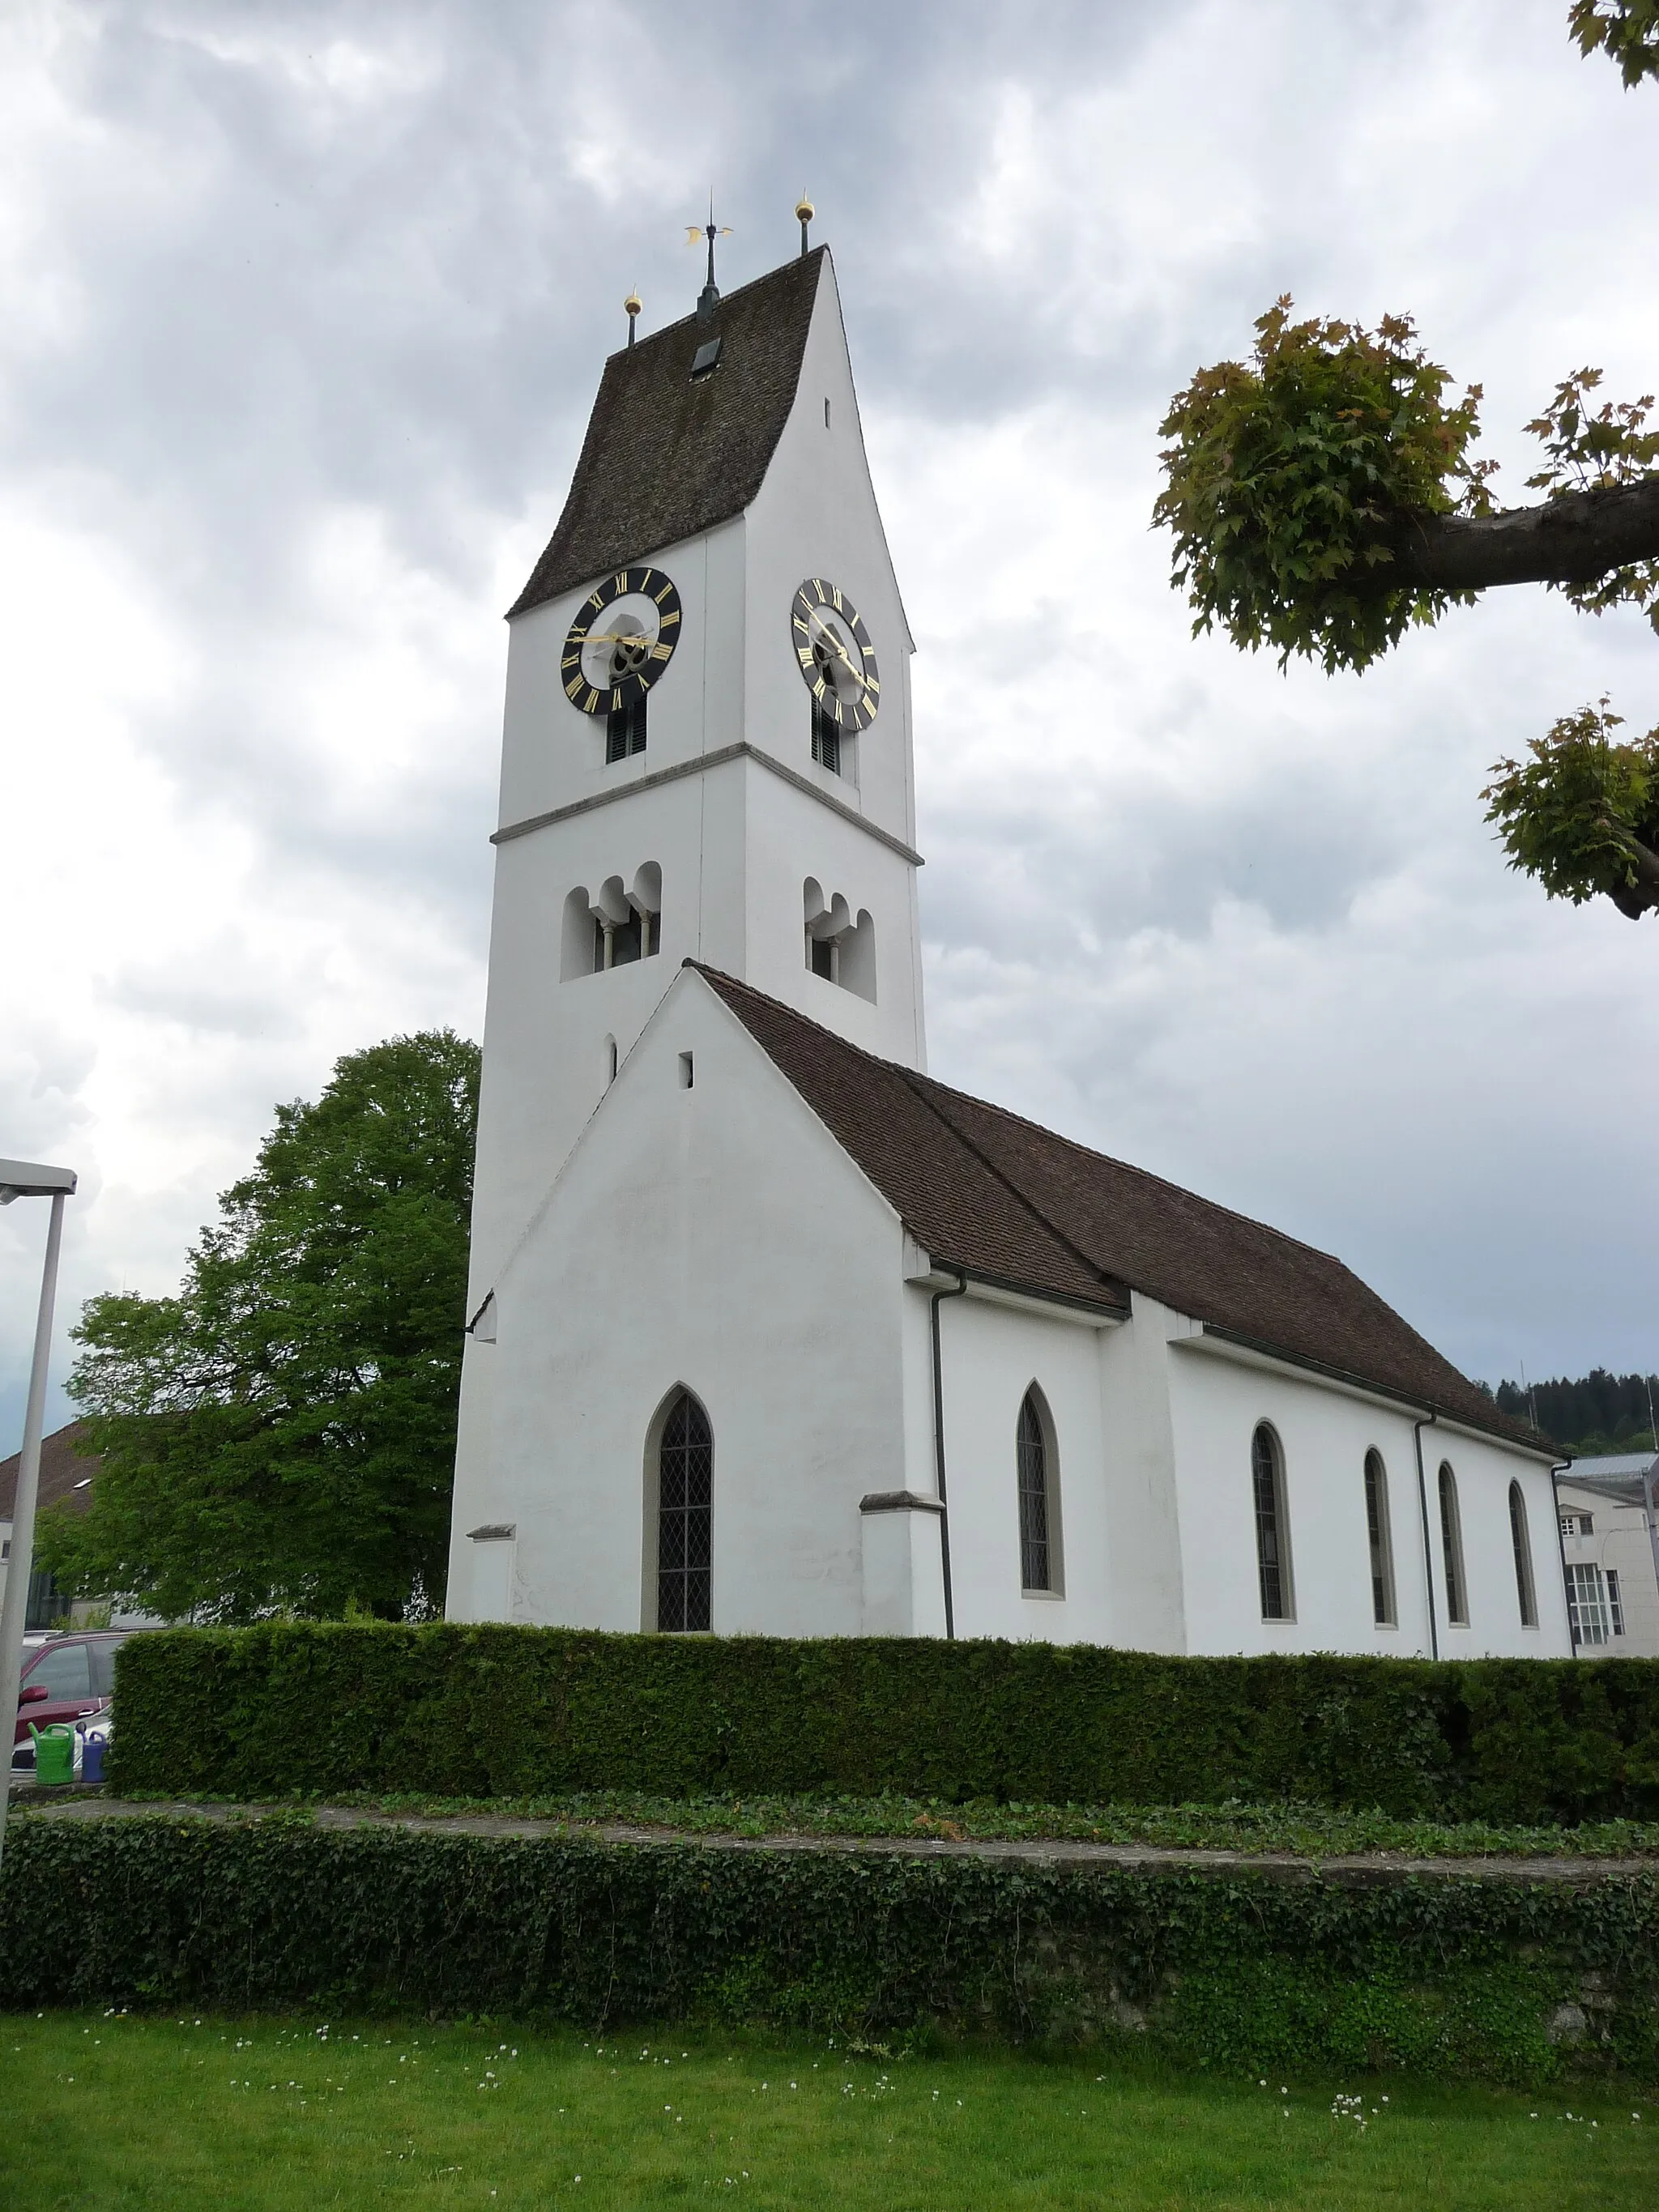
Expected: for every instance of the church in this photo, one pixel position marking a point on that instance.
(772, 1334)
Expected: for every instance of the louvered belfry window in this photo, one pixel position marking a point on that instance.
(1036, 1568)
(685, 1470)
(826, 737)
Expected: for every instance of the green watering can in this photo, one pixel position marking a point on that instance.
(54, 1753)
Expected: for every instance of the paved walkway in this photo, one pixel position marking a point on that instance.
(1361, 1870)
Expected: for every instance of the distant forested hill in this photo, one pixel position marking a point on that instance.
(1599, 1412)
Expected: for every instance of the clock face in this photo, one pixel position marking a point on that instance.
(622, 640)
(833, 650)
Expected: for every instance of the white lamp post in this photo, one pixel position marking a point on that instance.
(22, 1179)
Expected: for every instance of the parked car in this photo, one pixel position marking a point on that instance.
(65, 1678)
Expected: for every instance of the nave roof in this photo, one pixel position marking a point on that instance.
(982, 1190)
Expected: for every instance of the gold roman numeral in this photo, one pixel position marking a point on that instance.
(672, 616)
(619, 583)
(573, 687)
(590, 702)
(666, 593)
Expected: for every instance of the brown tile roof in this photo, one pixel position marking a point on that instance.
(63, 1471)
(664, 457)
(980, 1188)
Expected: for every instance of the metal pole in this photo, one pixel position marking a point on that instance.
(16, 1609)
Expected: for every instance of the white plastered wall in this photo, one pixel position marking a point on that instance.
(716, 1237)
(1325, 1432)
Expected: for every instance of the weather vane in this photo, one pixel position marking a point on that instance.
(708, 298)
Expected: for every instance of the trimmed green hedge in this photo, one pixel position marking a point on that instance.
(1237, 1971)
(494, 1710)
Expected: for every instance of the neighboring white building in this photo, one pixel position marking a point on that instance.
(771, 1333)
(1611, 1553)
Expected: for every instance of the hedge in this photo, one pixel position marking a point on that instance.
(1239, 1971)
(485, 1710)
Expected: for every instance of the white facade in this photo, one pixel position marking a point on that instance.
(1607, 1513)
(690, 1224)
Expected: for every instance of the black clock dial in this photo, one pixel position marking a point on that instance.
(622, 640)
(834, 653)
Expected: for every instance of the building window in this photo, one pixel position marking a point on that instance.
(685, 1471)
(1380, 1535)
(1039, 1499)
(1587, 1604)
(826, 735)
(1273, 1545)
(613, 926)
(625, 730)
(1615, 1606)
(1577, 1524)
(841, 947)
(48, 1606)
(1525, 1593)
(1451, 1546)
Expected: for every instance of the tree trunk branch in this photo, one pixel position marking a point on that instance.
(1570, 540)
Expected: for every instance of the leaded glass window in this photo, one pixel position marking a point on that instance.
(1272, 1555)
(1451, 1546)
(1380, 1537)
(1035, 1559)
(1521, 1541)
(686, 1468)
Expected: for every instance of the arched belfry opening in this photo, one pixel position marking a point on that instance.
(679, 1536)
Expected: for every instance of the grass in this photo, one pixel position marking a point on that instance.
(116, 2111)
(1311, 1831)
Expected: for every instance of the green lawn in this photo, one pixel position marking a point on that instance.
(112, 2110)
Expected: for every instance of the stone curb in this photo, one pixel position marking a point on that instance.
(1356, 1870)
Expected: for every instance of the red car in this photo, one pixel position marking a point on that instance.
(65, 1678)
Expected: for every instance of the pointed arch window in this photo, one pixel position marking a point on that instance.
(1272, 1528)
(1381, 1536)
(1039, 1498)
(1451, 1546)
(685, 1472)
(1526, 1591)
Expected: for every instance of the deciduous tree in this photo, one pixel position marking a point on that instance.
(1324, 499)
(281, 1434)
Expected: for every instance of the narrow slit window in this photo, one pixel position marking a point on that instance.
(1521, 1539)
(685, 1470)
(1451, 1547)
(1039, 1505)
(1615, 1604)
(1381, 1536)
(1273, 1549)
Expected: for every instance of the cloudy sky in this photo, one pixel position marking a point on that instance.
(305, 307)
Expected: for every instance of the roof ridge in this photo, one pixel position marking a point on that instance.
(665, 330)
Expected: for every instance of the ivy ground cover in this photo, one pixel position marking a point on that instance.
(114, 2109)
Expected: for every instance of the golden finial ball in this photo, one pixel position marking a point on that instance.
(804, 210)
(631, 304)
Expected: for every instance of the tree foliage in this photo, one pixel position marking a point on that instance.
(1285, 480)
(280, 1436)
(1324, 500)
(1597, 1412)
(1582, 813)
(1626, 31)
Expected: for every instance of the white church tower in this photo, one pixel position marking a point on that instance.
(694, 795)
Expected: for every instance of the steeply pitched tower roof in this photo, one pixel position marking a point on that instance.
(982, 1189)
(665, 458)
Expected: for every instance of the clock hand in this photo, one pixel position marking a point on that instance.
(826, 632)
